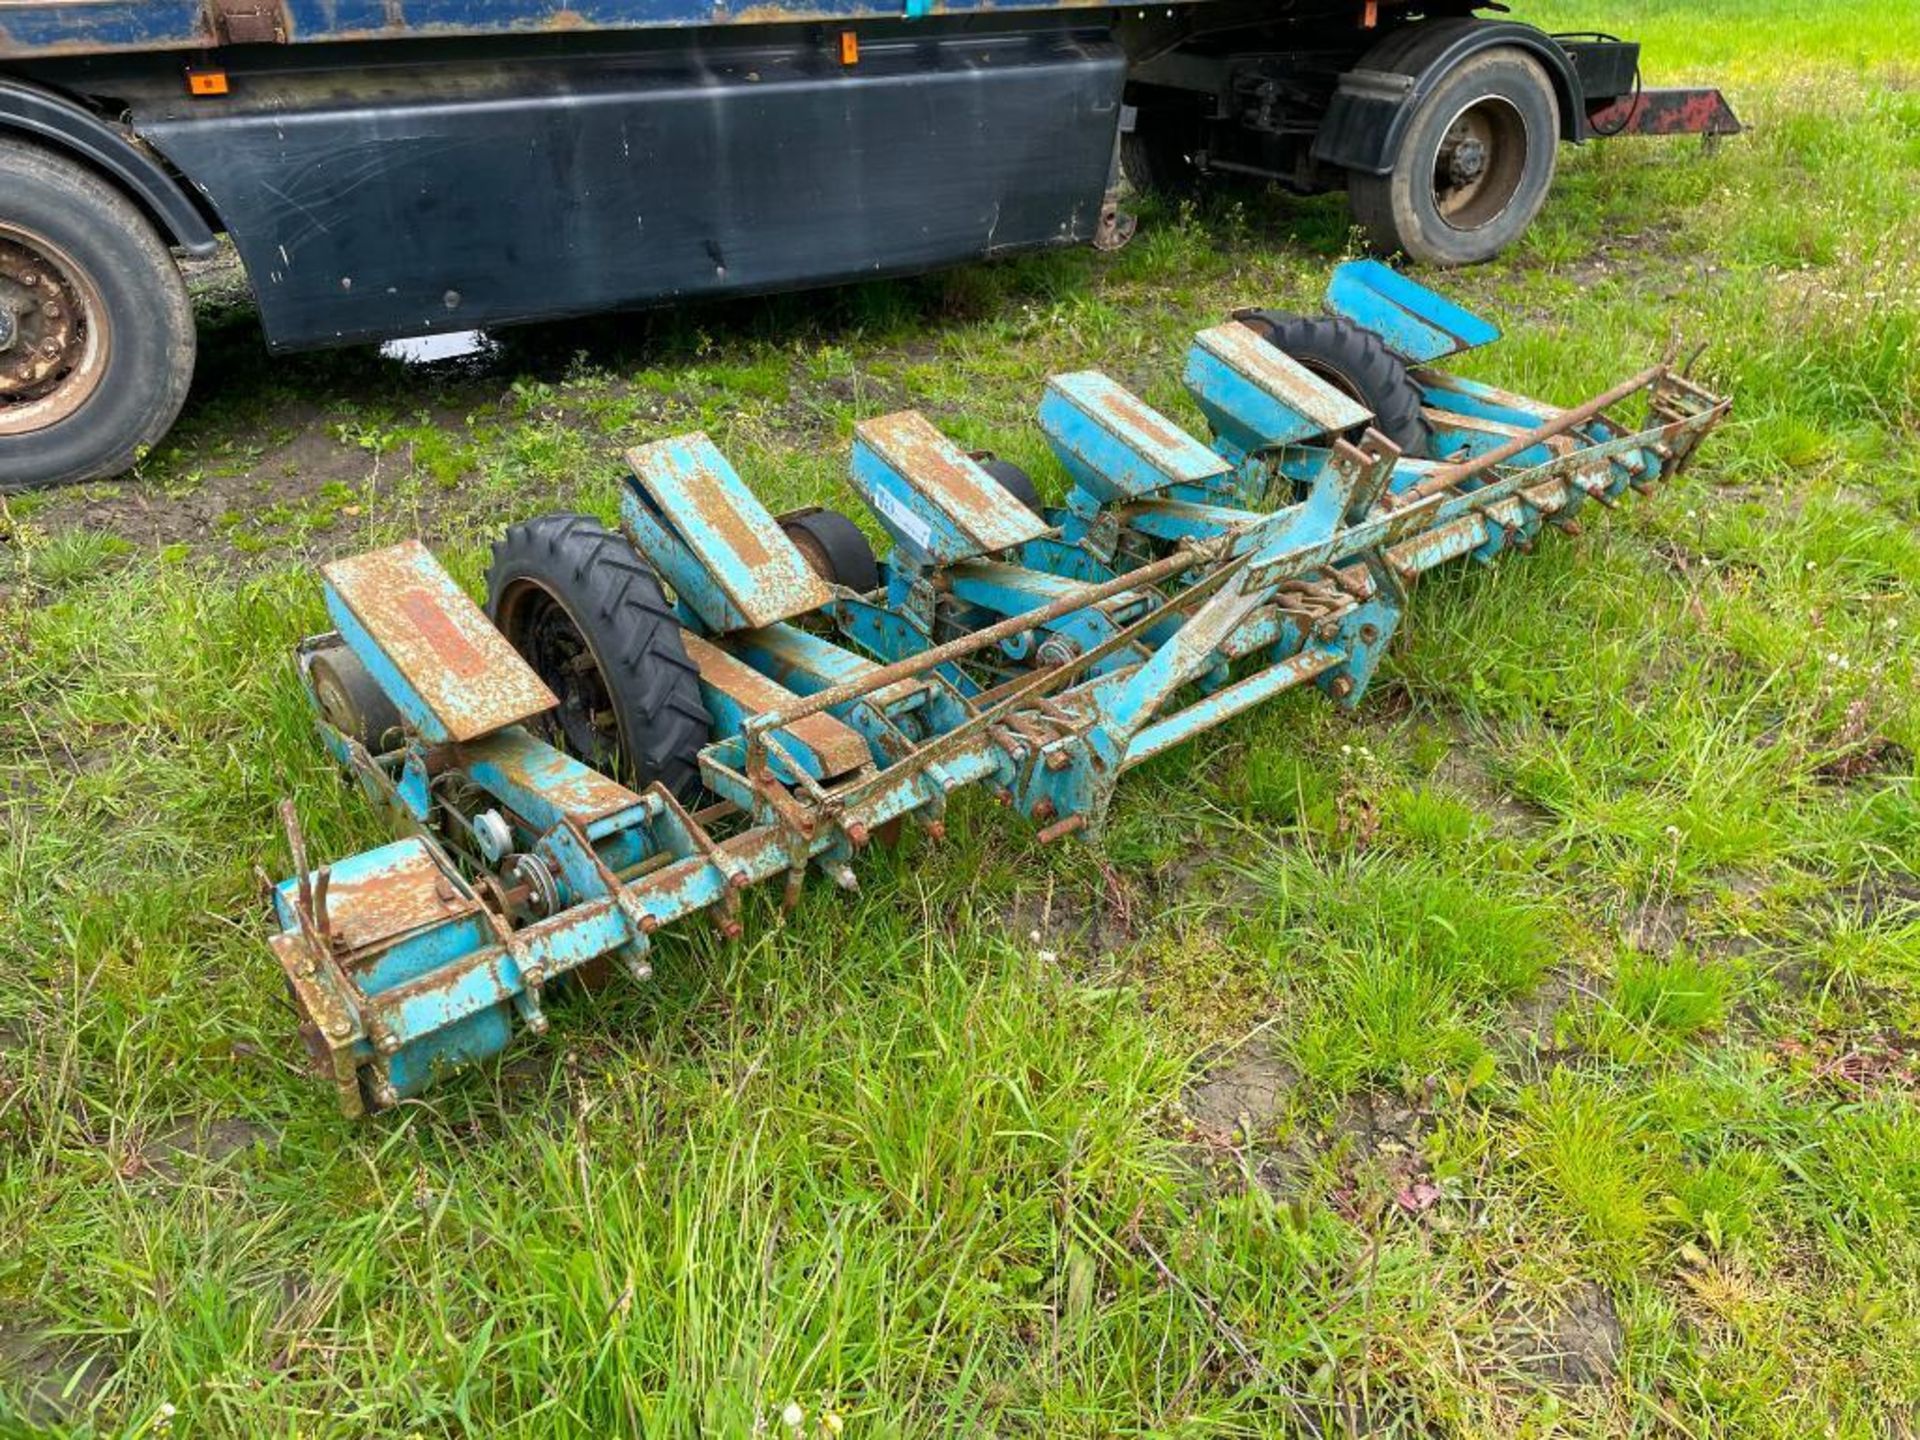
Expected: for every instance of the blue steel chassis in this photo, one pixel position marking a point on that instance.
(1040, 655)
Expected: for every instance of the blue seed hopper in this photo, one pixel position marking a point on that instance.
(596, 757)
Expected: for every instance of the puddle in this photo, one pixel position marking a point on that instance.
(433, 349)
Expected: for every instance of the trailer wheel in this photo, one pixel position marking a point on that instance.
(1474, 167)
(837, 549)
(1156, 155)
(96, 334)
(1356, 362)
(588, 615)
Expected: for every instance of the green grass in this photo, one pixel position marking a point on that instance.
(1532, 1054)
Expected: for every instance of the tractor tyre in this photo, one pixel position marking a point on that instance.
(588, 615)
(1014, 480)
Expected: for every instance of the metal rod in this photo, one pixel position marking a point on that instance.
(1040, 681)
(1450, 475)
(914, 666)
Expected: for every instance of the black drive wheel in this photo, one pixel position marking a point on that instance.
(1474, 167)
(1015, 481)
(588, 615)
(1356, 362)
(836, 548)
(96, 335)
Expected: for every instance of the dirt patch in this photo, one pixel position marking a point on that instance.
(1894, 894)
(1576, 1342)
(1066, 920)
(174, 1153)
(1462, 773)
(1369, 1154)
(1851, 1065)
(1244, 1097)
(54, 1379)
(1532, 1030)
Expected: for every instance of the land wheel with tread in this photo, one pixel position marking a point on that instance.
(588, 615)
(1356, 362)
(1475, 164)
(96, 333)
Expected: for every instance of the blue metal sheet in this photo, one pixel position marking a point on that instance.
(931, 496)
(452, 674)
(46, 27)
(721, 549)
(1115, 445)
(1257, 398)
(1418, 325)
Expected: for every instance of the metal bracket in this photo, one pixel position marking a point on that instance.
(247, 22)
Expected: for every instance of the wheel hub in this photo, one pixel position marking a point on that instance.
(1464, 159)
(1480, 163)
(583, 724)
(42, 324)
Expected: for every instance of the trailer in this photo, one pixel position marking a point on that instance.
(391, 168)
(648, 722)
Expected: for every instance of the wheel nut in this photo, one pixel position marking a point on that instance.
(51, 310)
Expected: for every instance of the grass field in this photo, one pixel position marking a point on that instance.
(1535, 1054)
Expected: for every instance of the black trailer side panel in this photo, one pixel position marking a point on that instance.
(404, 199)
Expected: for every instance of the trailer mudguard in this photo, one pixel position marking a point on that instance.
(413, 198)
(61, 125)
(1366, 122)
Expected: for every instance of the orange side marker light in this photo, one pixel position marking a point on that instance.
(207, 82)
(849, 48)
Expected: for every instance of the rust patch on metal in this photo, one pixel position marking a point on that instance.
(979, 507)
(839, 748)
(1183, 458)
(248, 22)
(448, 643)
(462, 669)
(370, 911)
(748, 555)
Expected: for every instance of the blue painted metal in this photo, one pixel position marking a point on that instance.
(56, 27)
(721, 550)
(1039, 657)
(1418, 324)
(1258, 399)
(931, 496)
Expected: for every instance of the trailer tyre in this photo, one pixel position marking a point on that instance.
(1474, 167)
(96, 333)
(588, 615)
(1356, 362)
(1158, 162)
